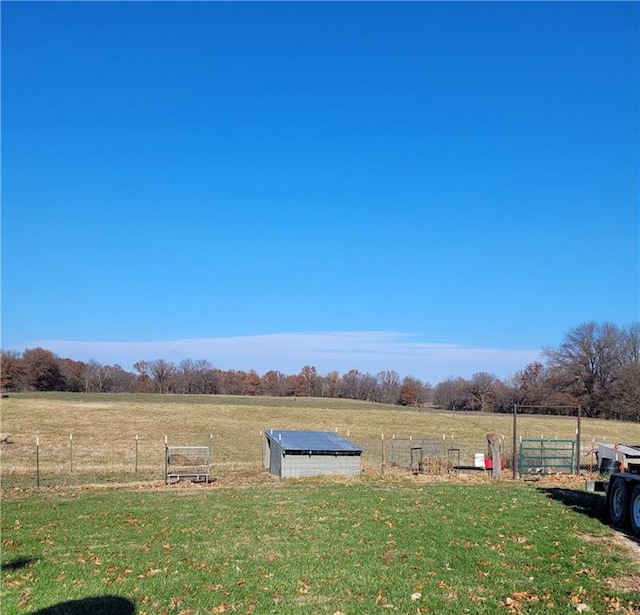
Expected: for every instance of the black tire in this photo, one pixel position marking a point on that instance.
(634, 510)
(618, 502)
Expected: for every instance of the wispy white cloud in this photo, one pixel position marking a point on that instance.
(366, 351)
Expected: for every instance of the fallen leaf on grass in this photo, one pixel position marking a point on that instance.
(150, 573)
(382, 601)
(577, 600)
(515, 603)
(25, 598)
(615, 605)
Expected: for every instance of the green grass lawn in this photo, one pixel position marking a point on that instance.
(316, 546)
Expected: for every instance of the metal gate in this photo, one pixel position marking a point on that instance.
(539, 456)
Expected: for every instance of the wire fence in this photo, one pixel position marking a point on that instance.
(66, 461)
(69, 461)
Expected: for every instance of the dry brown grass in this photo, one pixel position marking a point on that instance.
(104, 428)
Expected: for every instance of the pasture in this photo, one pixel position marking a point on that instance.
(104, 428)
(251, 543)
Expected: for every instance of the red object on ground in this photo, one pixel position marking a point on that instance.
(488, 463)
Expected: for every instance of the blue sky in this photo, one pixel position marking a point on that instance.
(434, 188)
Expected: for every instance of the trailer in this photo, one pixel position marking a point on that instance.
(623, 498)
(622, 501)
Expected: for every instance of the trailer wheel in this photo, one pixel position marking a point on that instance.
(618, 499)
(634, 510)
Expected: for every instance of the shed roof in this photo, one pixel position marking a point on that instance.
(312, 442)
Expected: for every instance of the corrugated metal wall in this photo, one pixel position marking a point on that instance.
(294, 466)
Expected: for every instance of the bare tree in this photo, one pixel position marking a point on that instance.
(630, 344)
(627, 385)
(627, 399)
(482, 388)
(349, 384)
(186, 377)
(586, 364)
(122, 381)
(530, 385)
(452, 394)
(97, 376)
(389, 385)
(368, 388)
(162, 372)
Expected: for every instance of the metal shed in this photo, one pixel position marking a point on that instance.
(292, 454)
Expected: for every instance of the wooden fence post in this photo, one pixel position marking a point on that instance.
(496, 461)
(38, 462)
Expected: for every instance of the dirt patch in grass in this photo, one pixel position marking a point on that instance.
(632, 547)
(628, 545)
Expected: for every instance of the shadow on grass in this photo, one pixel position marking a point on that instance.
(583, 502)
(589, 504)
(98, 605)
(18, 563)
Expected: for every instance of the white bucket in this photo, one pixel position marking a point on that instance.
(478, 460)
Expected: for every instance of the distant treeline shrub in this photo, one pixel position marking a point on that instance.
(597, 367)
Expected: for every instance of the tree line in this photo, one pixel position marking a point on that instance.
(596, 367)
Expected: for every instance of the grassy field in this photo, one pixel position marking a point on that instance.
(104, 429)
(314, 546)
(251, 543)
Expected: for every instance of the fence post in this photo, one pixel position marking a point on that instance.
(262, 451)
(382, 455)
(515, 440)
(135, 457)
(166, 461)
(70, 453)
(38, 462)
(496, 460)
(578, 435)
